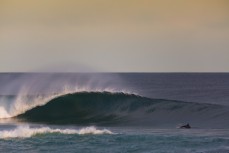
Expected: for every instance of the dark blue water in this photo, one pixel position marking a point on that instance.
(113, 112)
(189, 87)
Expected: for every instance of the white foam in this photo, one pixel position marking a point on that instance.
(24, 131)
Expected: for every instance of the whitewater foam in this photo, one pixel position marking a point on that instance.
(25, 131)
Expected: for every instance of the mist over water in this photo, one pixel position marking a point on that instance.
(24, 91)
(46, 83)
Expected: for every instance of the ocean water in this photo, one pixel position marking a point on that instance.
(114, 112)
(114, 140)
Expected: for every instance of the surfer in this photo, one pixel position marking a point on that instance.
(187, 126)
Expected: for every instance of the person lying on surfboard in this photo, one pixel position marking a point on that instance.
(187, 126)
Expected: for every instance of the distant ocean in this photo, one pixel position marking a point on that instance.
(114, 112)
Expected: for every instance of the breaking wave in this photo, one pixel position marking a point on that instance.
(106, 108)
(25, 131)
(23, 102)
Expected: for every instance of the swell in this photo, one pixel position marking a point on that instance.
(105, 108)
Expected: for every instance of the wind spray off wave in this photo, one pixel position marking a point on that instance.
(33, 90)
(24, 102)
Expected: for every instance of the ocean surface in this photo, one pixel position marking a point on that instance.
(114, 112)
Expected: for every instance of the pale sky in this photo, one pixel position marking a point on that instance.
(114, 35)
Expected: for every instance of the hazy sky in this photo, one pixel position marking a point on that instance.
(114, 35)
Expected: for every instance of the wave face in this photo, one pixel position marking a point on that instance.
(105, 108)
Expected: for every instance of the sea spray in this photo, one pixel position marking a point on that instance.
(36, 89)
(22, 103)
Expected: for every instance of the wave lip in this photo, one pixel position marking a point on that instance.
(25, 131)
